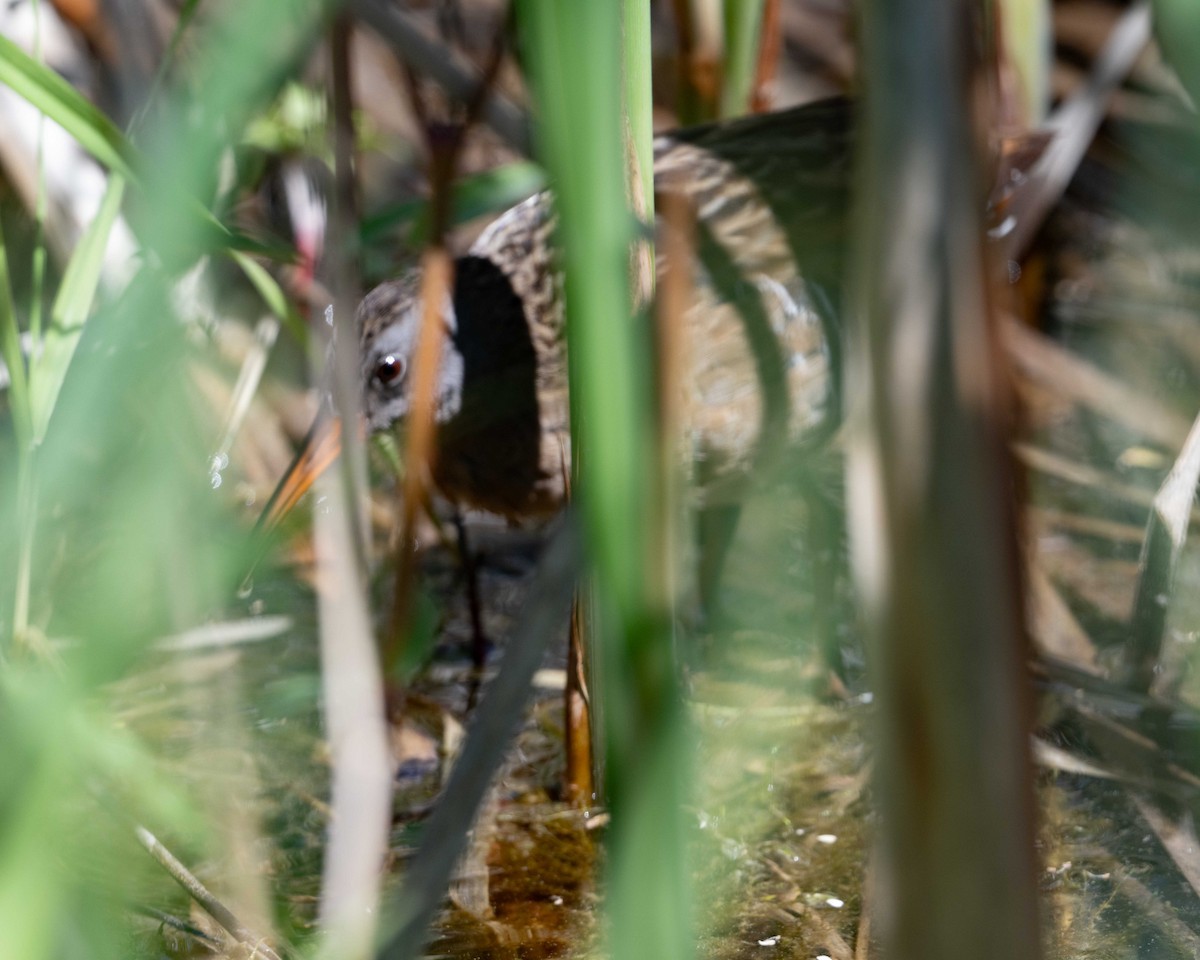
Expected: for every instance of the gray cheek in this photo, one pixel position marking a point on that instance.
(450, 386)
(383, 410)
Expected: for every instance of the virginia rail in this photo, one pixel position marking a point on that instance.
(768, 196)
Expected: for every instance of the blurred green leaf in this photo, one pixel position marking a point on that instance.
(230, 239)
(295, 121)
(79, 781)
(154, 551)
(71, 308)
(421, 641)
(63, 104)
(131, 773)
(575, 57)
(263, 282)
(31, 889)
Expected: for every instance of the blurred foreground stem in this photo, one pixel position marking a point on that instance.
(26, 508)
(576, 61)
(22, 419)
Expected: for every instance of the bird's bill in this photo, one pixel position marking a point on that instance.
(320, 449)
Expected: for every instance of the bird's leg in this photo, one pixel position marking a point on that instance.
(715, 529)
(826, 532)
(479, 641)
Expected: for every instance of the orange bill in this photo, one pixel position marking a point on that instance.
(320, 449)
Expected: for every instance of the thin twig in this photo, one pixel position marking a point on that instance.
(167, 920)
(1080, 474)
(245, 388)
(698, 34)
(862, 938)
(437, 276)
(445, 143)
(414, 903)
(203, 896)
(474, 605)
(448, 68)
(583, 770)
(345, 281)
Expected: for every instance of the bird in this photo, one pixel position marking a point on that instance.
(768, 197)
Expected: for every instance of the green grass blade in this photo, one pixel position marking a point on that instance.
(10, 350)
(743, 24)
(71, 308)
(272, 294)
(581, 139)
(639, 104)
(63, 104)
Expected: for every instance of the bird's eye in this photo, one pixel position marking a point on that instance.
(389, 370)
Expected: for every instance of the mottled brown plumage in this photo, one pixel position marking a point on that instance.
(768, 196)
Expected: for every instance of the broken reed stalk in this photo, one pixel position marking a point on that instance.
(930, 497)
(444, 143)
(1074, 125)
(437, 278)
(1166, 531)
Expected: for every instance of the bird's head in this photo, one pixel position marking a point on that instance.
(389, 321)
